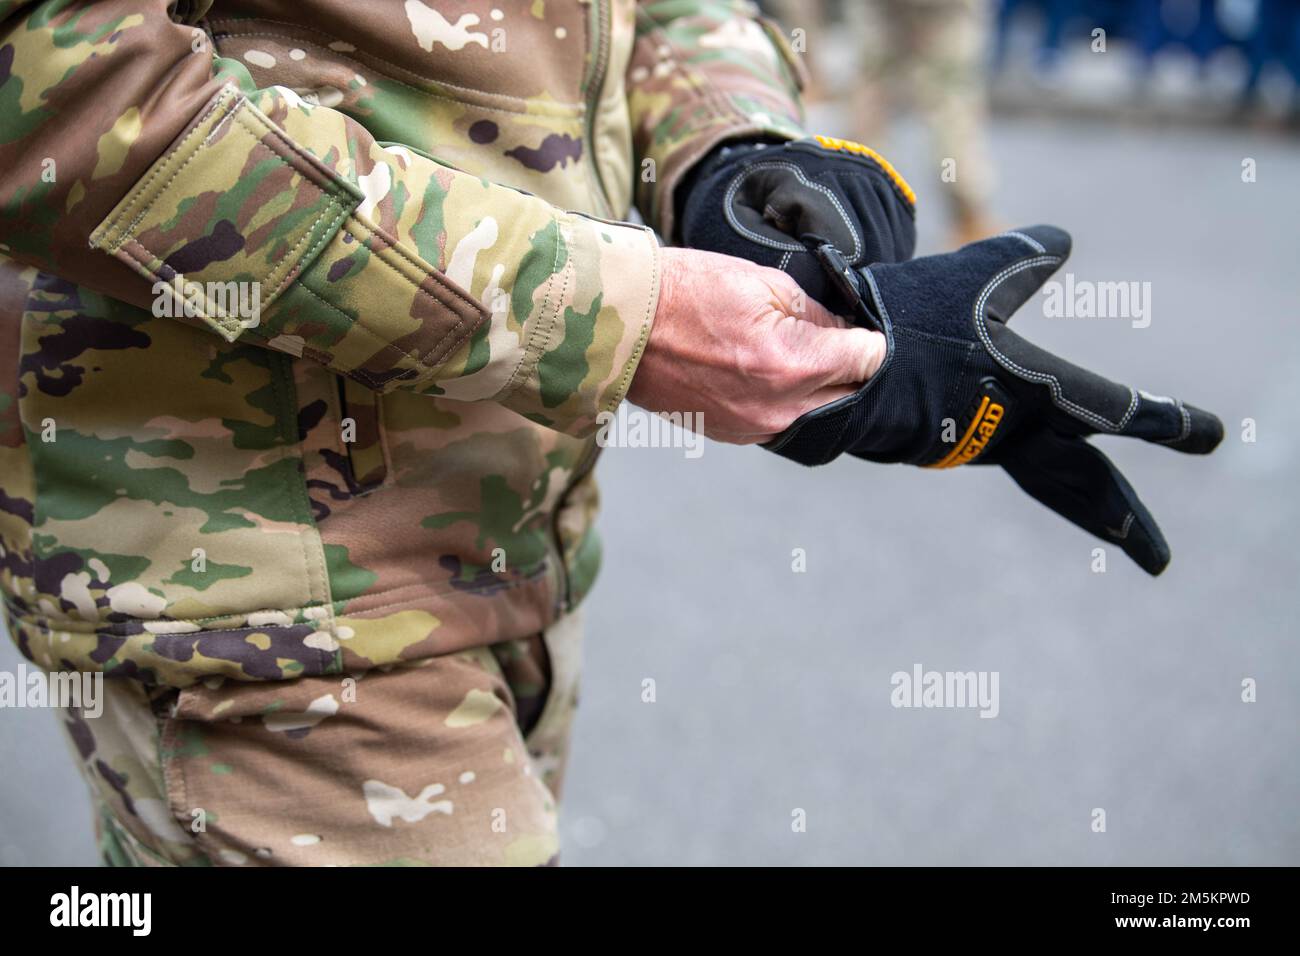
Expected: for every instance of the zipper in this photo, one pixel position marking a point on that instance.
(366, 458)
(594, 84)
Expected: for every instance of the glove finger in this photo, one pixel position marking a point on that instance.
(1082, 485)
(1013, 285)
(1087, 403)
(985, 281)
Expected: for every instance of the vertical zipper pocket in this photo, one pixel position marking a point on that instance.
(361, 425)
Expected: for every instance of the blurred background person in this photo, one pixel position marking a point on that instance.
(929, 55)
(933, 55)
(801, 20)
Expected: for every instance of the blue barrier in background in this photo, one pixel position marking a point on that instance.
(1264, 31)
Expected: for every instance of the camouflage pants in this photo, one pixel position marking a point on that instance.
(936, 50)
(452, 760)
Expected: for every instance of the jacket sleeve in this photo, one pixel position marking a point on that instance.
(137, 162)
(702, 72)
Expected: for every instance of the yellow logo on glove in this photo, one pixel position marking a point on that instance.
(848, 146)
(977, 436)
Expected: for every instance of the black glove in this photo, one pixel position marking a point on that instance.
(951, 356)
(758, 201)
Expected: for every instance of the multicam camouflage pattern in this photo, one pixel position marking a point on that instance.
(333, 771)
(392, 463)
(695, 81)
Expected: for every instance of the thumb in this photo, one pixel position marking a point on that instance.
(793, 300)
(836, 351)
(846, 356)
(810, 310)
(996, 276)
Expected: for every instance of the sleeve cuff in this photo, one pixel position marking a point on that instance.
(589, 335)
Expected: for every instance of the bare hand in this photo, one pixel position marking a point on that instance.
(741, 345)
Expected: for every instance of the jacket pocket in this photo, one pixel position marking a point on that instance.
(249, 234)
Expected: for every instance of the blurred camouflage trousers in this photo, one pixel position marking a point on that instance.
(937, 48)
(936, 51)
(451, 760)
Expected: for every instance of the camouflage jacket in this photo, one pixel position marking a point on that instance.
(302, 353)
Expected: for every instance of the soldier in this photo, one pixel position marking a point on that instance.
(305, 357)
(302, 360)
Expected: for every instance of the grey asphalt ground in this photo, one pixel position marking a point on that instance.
(1117, 691)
